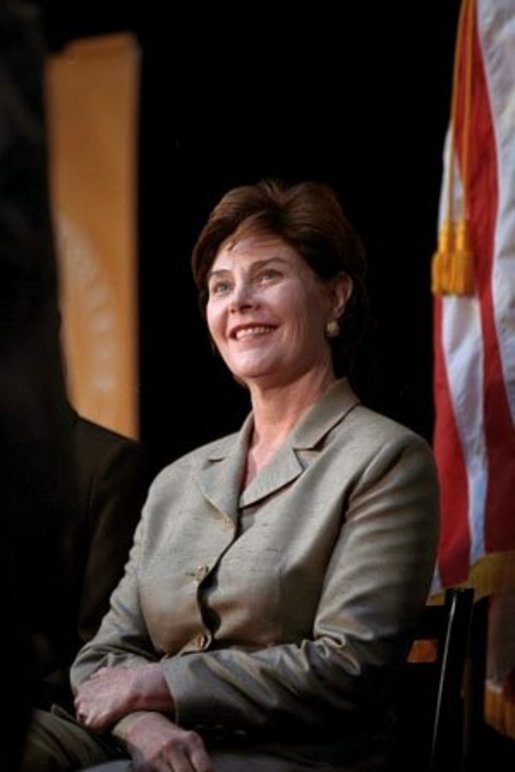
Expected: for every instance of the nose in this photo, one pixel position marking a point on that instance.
(242, 297)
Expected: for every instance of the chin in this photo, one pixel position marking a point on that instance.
(260, 372)
(268, 379)
(254, 371)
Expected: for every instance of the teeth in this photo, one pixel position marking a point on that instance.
(248, 331)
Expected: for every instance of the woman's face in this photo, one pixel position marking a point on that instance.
(267, 310)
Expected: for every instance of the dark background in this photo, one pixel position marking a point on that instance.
(357, 97)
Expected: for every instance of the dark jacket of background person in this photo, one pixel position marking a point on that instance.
(36, 469)
(113, 473)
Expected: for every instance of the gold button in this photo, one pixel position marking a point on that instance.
(201, 641)
(200, 572)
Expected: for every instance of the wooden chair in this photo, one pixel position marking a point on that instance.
(430, 731)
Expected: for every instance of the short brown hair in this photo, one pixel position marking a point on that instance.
(308, 217)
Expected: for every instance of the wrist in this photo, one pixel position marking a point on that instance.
(126, 725)
(151, 692)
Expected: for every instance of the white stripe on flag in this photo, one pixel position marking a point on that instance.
(462, 346)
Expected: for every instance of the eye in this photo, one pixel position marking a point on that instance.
(219, 287)
(269, 274)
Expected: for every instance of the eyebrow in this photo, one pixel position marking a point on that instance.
(254, 266)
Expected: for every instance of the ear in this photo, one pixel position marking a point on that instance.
(341, 290)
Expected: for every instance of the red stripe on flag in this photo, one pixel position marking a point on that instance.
(454, 547)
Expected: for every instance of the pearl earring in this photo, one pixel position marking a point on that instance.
(332, 329)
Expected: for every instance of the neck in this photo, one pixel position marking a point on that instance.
(278, 409)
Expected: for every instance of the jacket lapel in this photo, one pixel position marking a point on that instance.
(303, 445)
(281, 470)
(220, 479)
(336, 403)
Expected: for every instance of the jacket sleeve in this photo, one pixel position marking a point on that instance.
(122, 639)
(376, 584)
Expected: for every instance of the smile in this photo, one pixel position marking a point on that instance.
(251, 330)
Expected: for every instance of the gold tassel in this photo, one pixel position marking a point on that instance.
(442, 260)
(453, 262)
(462, 273)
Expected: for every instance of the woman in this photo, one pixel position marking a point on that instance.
(275, 573)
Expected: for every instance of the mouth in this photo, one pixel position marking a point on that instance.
(250, 331)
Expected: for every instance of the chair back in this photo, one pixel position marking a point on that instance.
(430, 705)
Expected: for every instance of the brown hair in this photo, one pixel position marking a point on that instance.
(309, 217)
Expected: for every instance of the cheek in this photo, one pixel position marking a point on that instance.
(306, 312)
(212, 319)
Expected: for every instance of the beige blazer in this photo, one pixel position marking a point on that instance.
(285, 606)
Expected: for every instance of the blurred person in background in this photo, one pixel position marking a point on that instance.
(112, 474)
(36, 471)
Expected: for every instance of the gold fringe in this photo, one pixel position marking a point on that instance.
(442, 259)
(452, 265)
(500, 710)
(492, 574)
(452, 271)
(423, 651)
(462, 271)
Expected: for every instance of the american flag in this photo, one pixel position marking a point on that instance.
(474, 326)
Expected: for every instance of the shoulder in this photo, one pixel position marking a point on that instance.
(371, 445)
(101, 453)
(90, 434)
(340, 421)
(375, 429)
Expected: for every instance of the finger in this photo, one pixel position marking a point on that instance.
(197, 753)
(79, 706)
(201, 761)
(178, 755)
(141, 764)
(97, 722)
(82, 706)
(90, 720)
(180, 763)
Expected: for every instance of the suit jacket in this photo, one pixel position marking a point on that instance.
(113, 474)
(284, 608)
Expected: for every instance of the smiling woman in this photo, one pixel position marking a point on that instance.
(267, 311)
(275, 573)
(304, 223)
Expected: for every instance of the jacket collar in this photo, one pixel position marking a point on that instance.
(324, 415)
(220, 479)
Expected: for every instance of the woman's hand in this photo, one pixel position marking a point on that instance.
(113, 692)
(156, 744)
